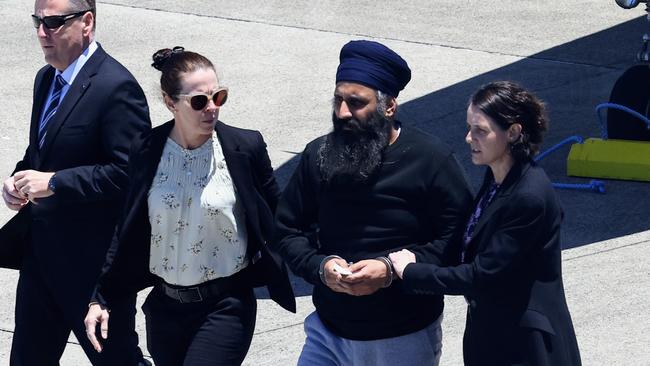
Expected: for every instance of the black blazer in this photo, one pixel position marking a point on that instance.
(511, 278)
(126, 270)
(87, 145)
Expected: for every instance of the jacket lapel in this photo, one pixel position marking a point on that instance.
(80, 85)
(240, 172)
(501, 197)
(145, 167)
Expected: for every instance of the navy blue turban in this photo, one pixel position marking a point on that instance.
(373, 65)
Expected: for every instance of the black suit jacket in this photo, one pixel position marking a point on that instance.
(126, 270)
(511, 278)
(87, 145)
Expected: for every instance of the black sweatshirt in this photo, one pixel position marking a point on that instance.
(419, 201)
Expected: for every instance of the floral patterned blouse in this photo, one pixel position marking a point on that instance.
(198, 227)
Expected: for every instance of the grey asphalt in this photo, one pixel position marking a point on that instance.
(279, 59)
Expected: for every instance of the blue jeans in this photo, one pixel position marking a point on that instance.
(323, 348)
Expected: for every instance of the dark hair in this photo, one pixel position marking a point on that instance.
(81, 5)
(173, 62)
(507, 103)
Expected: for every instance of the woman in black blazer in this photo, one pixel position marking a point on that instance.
(198, 212)
(511, 270)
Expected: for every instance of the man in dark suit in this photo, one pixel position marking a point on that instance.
(68, 187)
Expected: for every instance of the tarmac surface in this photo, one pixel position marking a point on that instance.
(279, 60)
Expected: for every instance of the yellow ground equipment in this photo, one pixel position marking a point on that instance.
(612, 159)
(623, 151)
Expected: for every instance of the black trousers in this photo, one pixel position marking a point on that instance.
(215, 331)
(43, 325)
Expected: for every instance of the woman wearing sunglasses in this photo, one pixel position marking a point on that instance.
(511, 270)
(199, 209)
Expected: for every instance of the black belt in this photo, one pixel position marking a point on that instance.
(200, 292)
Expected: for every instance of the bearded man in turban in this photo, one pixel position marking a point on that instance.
(368, 188)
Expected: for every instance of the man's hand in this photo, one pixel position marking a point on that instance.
(332, 277)
(14, 200)
(97, 314)
(400, 260)
(33, 184)
(367, 277)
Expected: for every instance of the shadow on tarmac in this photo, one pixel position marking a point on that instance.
(572, 78)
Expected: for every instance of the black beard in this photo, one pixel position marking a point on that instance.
(353, 152)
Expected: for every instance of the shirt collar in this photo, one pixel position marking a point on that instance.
(71, 72)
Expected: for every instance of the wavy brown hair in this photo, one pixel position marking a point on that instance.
(172, 62)
(507, 103)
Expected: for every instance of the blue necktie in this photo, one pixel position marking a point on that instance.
(59, 83)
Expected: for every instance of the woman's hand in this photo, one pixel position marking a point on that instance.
(97, 314)
(400, 260)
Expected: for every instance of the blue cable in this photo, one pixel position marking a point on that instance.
(594, 186)
(597, 186)
(574, 139)
(603, 123)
